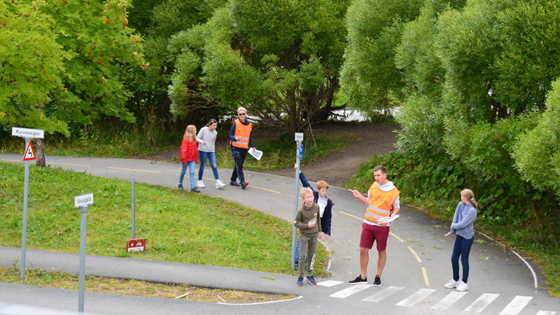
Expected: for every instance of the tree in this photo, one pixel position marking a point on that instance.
(280, 59)
(66, 63)
(369, 74)
(537, 153)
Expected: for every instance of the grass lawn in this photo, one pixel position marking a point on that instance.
(179, 226)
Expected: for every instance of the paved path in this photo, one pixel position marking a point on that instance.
(417, 267)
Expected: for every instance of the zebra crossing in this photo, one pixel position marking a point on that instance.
(480, 303)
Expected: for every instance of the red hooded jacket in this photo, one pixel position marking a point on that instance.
(189, 151)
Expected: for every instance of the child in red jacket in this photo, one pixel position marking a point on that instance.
(189, 156)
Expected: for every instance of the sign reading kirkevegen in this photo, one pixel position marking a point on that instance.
(83, 200)
(28, 133)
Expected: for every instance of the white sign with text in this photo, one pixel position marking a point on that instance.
(83, 200)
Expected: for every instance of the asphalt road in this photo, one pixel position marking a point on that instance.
(501, 281)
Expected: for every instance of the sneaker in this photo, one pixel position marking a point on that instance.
(300, 281)
(195, 190)
(244, 184)
(358, 280)
(180, 186)
(219, 184)
(310, 280)
(377, 281)
(200, 184)
(234, 183)
(462, 287)
(452, 284)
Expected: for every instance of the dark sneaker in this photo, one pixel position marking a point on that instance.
(180, 186)
(358, 280)
(244, 184)
(195, 190)
(310, 280)
(234, 183)
(377, 281)
(300, 281)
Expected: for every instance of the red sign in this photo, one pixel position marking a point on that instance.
(136, 245)
(29, 153)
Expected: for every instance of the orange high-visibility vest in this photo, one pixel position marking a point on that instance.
(380, 204)
(244, 131)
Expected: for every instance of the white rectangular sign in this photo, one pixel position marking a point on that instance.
(299, 136)
(28, 133)
(83, 200)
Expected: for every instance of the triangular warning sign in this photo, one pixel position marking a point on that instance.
(29, 153)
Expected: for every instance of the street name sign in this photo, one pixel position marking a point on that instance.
(28, 133)
(83, 200)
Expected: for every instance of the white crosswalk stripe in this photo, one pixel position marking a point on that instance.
(481, 303)
(351, 290)
(329, 283)
(516, 305)
(416, 297)
(448, 300)
(383, 294)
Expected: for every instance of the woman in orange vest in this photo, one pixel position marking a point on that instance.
(241, 139)
(382, 202)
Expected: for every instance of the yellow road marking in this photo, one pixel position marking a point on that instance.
(361, 219)
(414, 253)
(425, 276)
(269, 190)
(84, 165)
(256, 187)
(132, 169)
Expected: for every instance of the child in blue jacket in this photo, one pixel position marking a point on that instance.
(325, 206)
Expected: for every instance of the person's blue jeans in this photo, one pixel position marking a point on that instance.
(191, 173)
(462, 249)
(212, 157)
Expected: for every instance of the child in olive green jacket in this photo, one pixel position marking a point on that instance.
(309, 230)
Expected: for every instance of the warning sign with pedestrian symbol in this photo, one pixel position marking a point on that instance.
(29, 153)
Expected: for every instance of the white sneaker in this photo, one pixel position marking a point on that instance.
(219, 184)
(200, 184)
(462, 287)
(452, 284)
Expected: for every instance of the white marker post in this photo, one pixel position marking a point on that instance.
(299, 140)
(28, 135)
(83, 202)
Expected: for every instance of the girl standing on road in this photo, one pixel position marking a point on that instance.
(463, 226)
(207, 136)
(189, 156)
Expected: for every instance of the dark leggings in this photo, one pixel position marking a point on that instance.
(239, 156)
(461, 249)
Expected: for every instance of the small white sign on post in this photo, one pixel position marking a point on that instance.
(28, 133)
(83, 200)
(299, 136)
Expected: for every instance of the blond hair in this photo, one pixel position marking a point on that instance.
(189, 132)
(469, 195)
(304, 191)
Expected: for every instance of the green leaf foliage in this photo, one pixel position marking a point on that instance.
(537, 153)
(67, 62)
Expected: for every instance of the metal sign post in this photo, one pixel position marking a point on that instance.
(299, 140)
(28, 135)
(82, 202)
(133, 209)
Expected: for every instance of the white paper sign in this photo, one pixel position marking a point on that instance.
(256, 153)
(299, 136)
(83, 200)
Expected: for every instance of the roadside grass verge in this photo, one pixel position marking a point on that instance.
(69, 281)
(534, 239)
(179, 226)
(280, 152)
